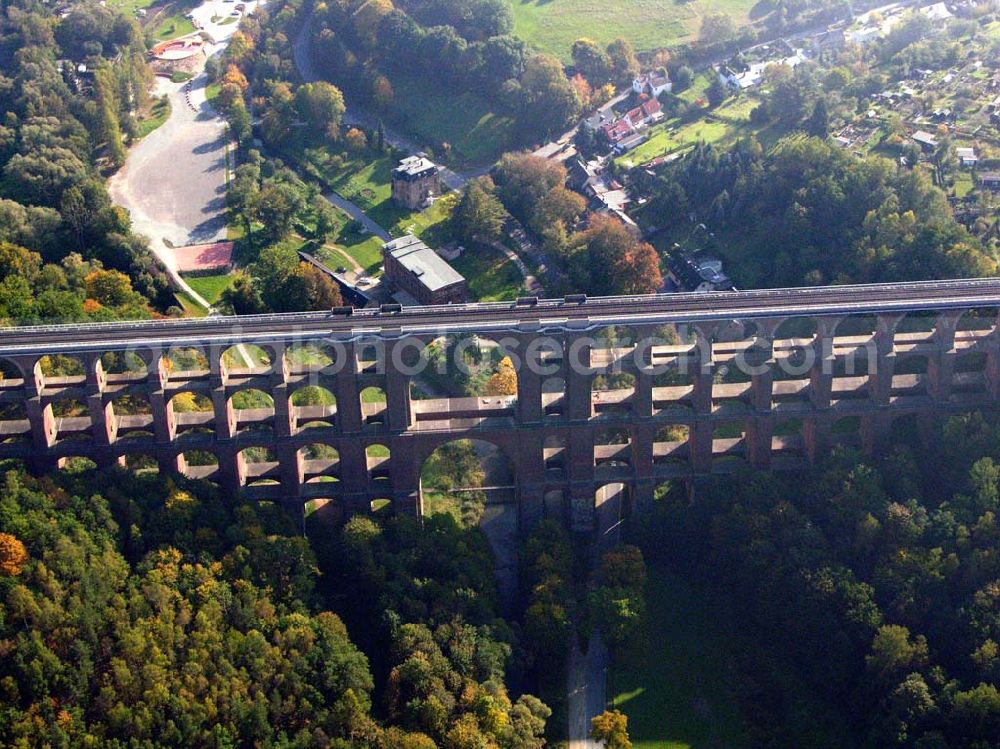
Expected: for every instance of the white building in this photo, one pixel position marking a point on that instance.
(754, 73)
(654, 83)
(967, 156)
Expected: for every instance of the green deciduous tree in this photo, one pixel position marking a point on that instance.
(611, 728)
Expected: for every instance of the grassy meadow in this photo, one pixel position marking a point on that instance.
(553, 25)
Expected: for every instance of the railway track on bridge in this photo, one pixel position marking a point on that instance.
(525, 315)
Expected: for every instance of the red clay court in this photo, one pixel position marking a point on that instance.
(195, 257)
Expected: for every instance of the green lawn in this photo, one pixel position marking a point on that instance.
(963, 184)
(365, 249)
(437, 115)
(130, 6)
(678, 698)
(158, 114)
(431, 225)
(736, 110)
(210, 287)
(368, 184)
(663, 141)
(190, 306)
(553, 25)
(491, 276)
(698, 88)
(173, 26)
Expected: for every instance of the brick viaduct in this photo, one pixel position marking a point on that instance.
(684, 386)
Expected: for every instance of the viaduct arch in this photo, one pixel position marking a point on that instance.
(689, 386)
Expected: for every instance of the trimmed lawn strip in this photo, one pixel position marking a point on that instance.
(490, 275)
(210, 287)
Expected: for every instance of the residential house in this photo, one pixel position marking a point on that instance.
(617, 131)
(967, 156)
(415, 181)
(925, 140)
(937, 12)
(990, 180)
(864, 35)
(649, 112)
(830, 40)
(654, 83)
(688, 272)
(753, 75)
(603, 191)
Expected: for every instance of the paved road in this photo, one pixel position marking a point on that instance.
(174, 181)
(358, 215)
(585, 690)
(554, 315)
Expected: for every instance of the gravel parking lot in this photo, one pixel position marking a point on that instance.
(174, 181)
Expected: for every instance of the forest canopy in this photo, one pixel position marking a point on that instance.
(808, 213)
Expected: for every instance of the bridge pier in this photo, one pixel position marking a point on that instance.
(677, 426)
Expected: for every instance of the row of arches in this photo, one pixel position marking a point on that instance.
(605, 346)
(481, 488)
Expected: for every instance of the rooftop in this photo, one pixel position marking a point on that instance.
(433, 272)
(414, 166)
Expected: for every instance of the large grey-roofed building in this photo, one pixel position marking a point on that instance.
(416, 269)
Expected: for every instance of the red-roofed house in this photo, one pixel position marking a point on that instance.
(649, 112)
(617, 130)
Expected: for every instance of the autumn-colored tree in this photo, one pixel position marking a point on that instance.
(611, 727)
(610, 259)
(13, 555)
(356, 140)
(583, 89)
(109, 287)
(240, 45)
(18, 261)
(504, 380)
(235, 77)
(382, 93)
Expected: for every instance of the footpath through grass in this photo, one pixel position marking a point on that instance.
(678, 697)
